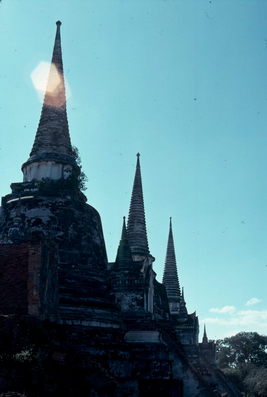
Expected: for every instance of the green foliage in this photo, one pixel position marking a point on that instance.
(80, 175)
(244, 347)
(75, 181)
(23, 356)
(82, 179)
(243, 359)
(256, 381)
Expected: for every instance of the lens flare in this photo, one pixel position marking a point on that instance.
(48, 80)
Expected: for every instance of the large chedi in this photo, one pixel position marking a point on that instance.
(46, 216)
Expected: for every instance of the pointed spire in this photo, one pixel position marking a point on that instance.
(170, 276)
(124, 231)
(136, 227)
(124, 256)
(205, 338)
(52, 140)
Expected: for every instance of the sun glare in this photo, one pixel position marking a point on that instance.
(46, 79)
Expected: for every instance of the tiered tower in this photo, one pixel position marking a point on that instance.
(133, 266)
(136, 226)
(170, 276)
(186, 325)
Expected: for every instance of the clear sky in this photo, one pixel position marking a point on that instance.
(185, 84)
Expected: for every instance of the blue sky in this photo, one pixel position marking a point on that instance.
(183, 83)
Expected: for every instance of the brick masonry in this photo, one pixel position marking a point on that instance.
(28, 279)
(13, 278)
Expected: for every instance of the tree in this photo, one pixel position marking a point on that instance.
(243, 359)
(80, 176)
(244, 347)
(256, 381)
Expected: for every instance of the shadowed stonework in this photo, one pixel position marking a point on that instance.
(72, 324)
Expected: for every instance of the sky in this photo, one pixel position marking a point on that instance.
(185, 84)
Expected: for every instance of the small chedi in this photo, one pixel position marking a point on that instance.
(112, 326)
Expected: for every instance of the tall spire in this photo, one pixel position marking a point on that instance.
(52, 140)
(205, 338)
(170, 276)
(124, 256)
(136, 227)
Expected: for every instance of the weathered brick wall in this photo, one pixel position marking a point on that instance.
(28, 279)
(13, 278)
(47, 268)
(33, 282)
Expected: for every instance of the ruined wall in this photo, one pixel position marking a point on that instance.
(28, 279)
(13, 279)
(43, 280)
